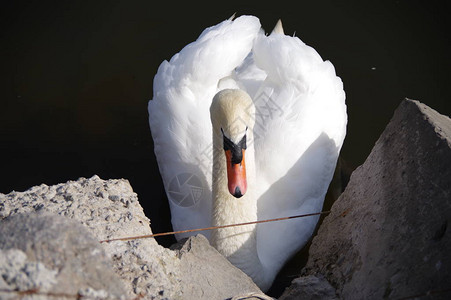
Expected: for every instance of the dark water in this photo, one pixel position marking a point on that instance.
(76, 78)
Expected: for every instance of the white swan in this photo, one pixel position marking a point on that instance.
(278, 124)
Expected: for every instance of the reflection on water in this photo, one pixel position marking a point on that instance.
(77, 77)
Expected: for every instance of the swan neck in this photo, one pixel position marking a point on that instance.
(238, 244)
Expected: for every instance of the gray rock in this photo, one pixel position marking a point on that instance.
(251, 296)
(388, 234)
(47, 253)
(17, 273)
(194, 271)
(193, 253)
(110, 209)
(309, 288)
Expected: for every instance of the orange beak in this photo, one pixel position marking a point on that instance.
(236, 175)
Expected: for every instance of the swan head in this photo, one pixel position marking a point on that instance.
(232, 115)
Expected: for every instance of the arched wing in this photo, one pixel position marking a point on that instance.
(179, 116)
(300, 127)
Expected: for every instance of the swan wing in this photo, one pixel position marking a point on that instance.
(300, 127)
(179, 116)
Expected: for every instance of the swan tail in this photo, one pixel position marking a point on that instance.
(278, 29)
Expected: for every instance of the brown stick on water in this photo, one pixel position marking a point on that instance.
(213, 227)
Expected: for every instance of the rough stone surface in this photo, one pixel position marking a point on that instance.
(251, 296)
(17, 273)
(198, 258)
(110, 209)
(309, 288)
(51, 254)
(388, 235)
